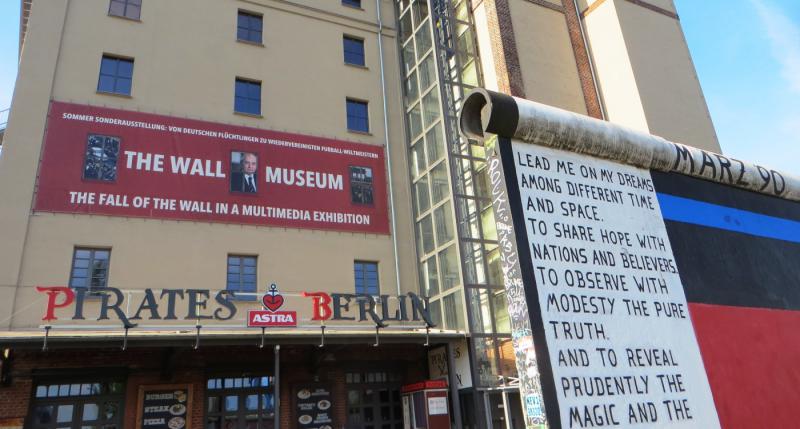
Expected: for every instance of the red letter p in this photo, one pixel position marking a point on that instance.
(52, 293)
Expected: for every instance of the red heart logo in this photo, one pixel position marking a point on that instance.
(272, 302)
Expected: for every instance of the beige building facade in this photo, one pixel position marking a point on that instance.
(385, 76)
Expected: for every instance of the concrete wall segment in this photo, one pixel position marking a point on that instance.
(536, 123)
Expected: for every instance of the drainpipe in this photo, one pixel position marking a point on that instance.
(388, 150)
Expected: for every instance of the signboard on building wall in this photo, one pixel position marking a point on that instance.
(438, 367)
(121, 163)
(313, 407)
(602, 288)
(164, 407)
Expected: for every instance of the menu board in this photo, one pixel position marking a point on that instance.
(616, 323)
(164, 407)
(313, 409)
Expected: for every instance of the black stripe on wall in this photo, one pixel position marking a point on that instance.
(715, 193)
(730, 268)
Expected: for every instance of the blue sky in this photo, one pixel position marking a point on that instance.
(747, 56)
(9, 48)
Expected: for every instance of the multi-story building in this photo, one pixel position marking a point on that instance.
(167, 163)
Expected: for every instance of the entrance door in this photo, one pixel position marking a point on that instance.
(240, 403)
(514, 404)
(495, 410)
(504, 409)
(373, 401)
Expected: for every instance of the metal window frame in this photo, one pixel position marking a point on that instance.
(240, 257)
(116, 76)
(363, 385)
(360, 102)
(126, 3)
(352, 3)
(76, 401)
(362, 54)
(364, 263)
(264, 415)
(90, 275)
(243, 97)
(250, 31)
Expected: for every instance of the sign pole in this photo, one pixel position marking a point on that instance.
(453, 381)
(277, 390)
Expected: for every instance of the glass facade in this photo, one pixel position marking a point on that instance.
(437, 244)
(459, 259)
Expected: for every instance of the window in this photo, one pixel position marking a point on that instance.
(244, 402)
(353, 51)
(248, 97)
(242, 275)
(85, 403)
(352, 3)
(373, 400)
(357, 116)
(131, 9)
(366, 276)
(116, 75)
(89, 268)
(100, 159)
(249, 26)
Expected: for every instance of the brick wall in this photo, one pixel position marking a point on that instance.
(14, 402)
(582, 60)
(504, 48)
(506, 58)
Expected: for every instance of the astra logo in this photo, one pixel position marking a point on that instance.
(270, 316)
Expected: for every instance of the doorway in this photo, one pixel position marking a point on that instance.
(373, 400)
(240, 402)
(504, 409)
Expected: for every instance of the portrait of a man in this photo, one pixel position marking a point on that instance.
(244, 172)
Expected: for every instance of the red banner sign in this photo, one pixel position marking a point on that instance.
(121, 163)
(269, 319)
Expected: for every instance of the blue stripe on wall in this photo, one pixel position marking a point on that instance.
(686, 210)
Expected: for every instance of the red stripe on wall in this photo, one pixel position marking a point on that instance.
(752, 357)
